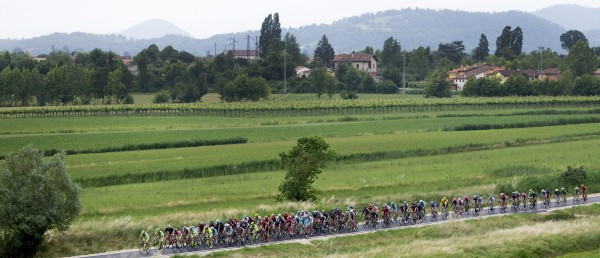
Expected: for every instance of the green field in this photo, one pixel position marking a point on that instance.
(388, 155)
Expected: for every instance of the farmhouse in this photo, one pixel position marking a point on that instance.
(361, 61)
(245, 54)
(459, 76)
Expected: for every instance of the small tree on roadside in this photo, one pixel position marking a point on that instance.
(304, 163)
(35, 197)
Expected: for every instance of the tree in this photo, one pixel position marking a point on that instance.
(581, 59)
(270, 35)
(455, 51)
(482, 50)
(517, 86)
(569, 38)
(322, 82)
(419, 64)
(368, 50)
(510, 43)
(304, 163)
(245, 88)
(35, 197)
(115, 90)
(293, 49)
(437, 86)
(587, 85)
(573, 176)
(391, 55)
(324, 52)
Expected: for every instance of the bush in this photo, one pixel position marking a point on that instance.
(161, 97)
(573, 176)
(386, 87)
(348, 95)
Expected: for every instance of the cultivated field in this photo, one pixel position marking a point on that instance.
(390, 152)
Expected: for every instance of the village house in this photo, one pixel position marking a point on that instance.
(245, 54)
(361, 61)
(459, 76)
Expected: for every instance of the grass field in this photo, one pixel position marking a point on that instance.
(388, 156)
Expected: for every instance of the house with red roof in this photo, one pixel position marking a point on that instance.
(361, 61)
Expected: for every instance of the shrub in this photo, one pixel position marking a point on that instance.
(161, 97)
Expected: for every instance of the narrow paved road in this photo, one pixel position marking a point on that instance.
(134, 253)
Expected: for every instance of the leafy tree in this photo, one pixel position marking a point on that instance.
(517, 86)
(115, 90)
(245, 88)
(368, 50)
(293, 49)
(581, 59)
(419, 64)
(510, 43)
(391, 55)
(270, 35)
(569, 38)
(324, 52)
(587, 85)
(437, 86)
(322, 82)
(185, 93)
(35, 197)
(483, 49)
(454, 51)
(304, 163)
(168, 54)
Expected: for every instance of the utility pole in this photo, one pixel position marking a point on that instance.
(233, 41)
(256, 45)
(541, 59)
(404, 74)
(248, 47)
(285, 69)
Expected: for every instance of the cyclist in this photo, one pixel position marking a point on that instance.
(144, 236)
(228, 231)
(385, 209)
(584, 189)
(491, 200)
(444, 202)
(169, 230)
(208, 235)
(557, 195)
(466, 203)
(394, 209)
(434, 208)
(160, 235)
(524, 197)
(532, 198)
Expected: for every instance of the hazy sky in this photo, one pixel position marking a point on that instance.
(204, 18)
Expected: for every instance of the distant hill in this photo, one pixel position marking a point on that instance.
(412, 28)
(152, 29)
(572, 16)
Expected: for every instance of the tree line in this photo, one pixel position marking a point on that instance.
(178, 76)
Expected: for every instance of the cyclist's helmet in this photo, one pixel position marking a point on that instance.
(432, 203)
(501, 193)
(562, 188)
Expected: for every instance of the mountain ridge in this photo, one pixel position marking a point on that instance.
(411, 27)
(153, 28)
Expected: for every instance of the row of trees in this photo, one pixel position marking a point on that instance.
(586, 85)
(61, 78)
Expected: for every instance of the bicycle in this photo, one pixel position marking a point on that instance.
(491, 208)
(177, 245)
(502, 205)
(144, 247)
(159, 244)
(434, 215)
(532, 203)
(576, 199)
(557, 201)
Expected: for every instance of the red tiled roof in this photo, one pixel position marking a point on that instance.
(551, 71)
(244, 52)
(358, 57)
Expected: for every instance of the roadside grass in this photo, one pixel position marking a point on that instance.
(142, 98)
(140, 162)
(78, 141)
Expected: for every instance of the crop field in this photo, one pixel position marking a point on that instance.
(395, 153)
